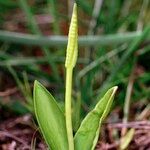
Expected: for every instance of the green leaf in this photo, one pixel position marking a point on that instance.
(50, 118)
(125, 140)
(88, 132)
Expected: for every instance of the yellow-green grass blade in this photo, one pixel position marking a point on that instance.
(88, 132)
(125, 140)
(50, 118)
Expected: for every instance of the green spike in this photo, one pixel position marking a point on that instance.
(71, 56)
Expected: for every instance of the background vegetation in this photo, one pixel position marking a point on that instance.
(114, 49)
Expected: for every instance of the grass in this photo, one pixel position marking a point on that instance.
(35, 29)
(107, 50)
(111, 39)
(58, 41)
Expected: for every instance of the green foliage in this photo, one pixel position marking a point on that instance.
(51, 119)
(24, 88)
(88, 132)
(114, 45)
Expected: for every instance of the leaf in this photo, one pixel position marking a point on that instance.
(88, 132)
(50, 118)
(125, 140)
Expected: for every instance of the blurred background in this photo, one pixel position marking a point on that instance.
(114, 49)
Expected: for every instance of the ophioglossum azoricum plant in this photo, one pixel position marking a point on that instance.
(56, 127)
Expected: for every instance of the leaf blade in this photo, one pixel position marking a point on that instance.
(125, 140)
(50, 118)
(90, 126)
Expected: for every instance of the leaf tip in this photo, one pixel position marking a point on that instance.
(36, 83)
(115, 89)
(75, 7)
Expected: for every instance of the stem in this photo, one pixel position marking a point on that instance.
(126, 109)
(68, 108)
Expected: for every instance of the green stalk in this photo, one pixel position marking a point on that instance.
(71, 58)
(68, 107)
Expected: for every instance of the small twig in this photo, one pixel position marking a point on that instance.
(107, 146)
(137, 124)
(26, 120)
(143, 140)
(8, 92)
(5, 133)
(144, 112)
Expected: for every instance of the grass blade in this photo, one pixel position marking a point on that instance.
(53, 11)
(125, 140)
(36, 30)
(124, 59)
(59, 41)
